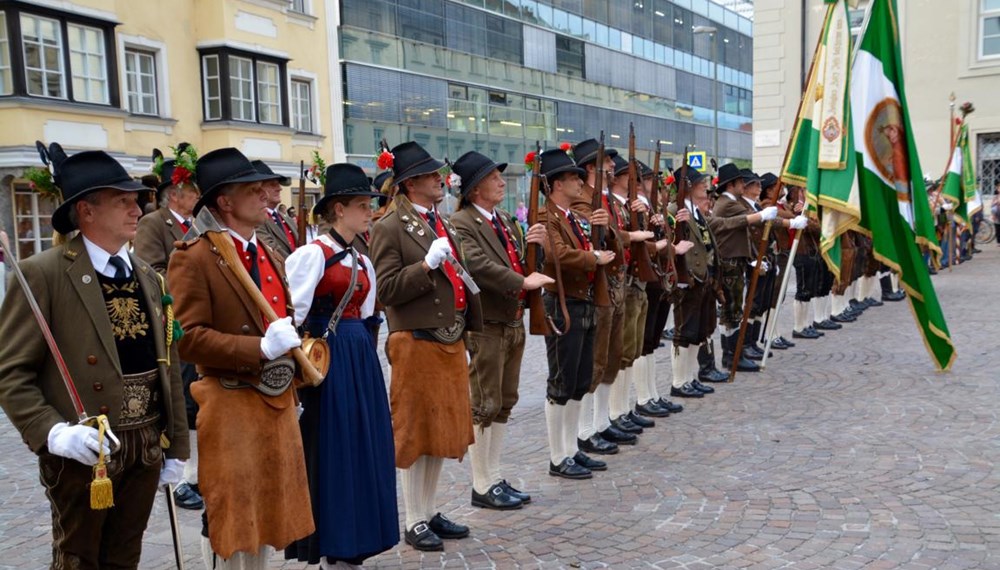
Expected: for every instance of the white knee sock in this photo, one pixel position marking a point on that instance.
(800, 311)
(258, 561)
(619, 393)
(678, 363)
(642, 387)
(554, 421)
(586, 428)
(654, 391)
(432, 474)
(497, 436)
(191, 466)
(602, 407)
(412, 482)
(571, 427)
(691, 362)
(207, 556)
(479, 456)
(838, 303)
(894, 277)
(638, 377)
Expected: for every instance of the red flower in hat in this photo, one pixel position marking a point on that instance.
(715, 181)
(565, 147)
(670, 180)
(958, 120)
(385, 160)
(529, 159)
(181, 175)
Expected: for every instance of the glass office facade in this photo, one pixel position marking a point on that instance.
(495, 76)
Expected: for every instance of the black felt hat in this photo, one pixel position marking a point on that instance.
(263, 168)
(472, 167)
(555, 162)
(749, 176)
(81, 174)
(644, 171)
(728, 173)
(693, 176)
(221, 167)
(378, 182)
(585, 152)
(768, 180)
(344, 179)
(410, 159)
(621, 165)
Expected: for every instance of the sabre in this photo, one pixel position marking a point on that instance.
(50, 341)
(175, 529)
(781, 298)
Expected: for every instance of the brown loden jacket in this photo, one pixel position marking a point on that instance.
(489, 264)
(274, 237)
(730, 227)
(32, 392)
(415, 299)
(155, 237)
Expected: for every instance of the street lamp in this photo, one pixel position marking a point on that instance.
(713, 31)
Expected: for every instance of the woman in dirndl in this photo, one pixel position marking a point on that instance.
(346, 426)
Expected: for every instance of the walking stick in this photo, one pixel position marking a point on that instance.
(781, 298)
(175, 529)
(748, 303)
(768, 293)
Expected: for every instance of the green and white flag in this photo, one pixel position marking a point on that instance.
(894, 206)
(820, 155)
(960, 182)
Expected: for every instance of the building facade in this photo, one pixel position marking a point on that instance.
(497, 75)
(126, 77)
(951, 47)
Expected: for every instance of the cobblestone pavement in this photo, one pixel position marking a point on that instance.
(849, 452)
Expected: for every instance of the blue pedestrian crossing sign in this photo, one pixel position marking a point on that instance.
(696, 160)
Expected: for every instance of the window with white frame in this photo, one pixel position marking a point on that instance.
(243, 86)
(41, 41)
(32, 221)
(269, 93)
(6, 77)
(88, 64)
(212, 87)
(990, 29)
(140, 81)
(300, 6)
(301, 99)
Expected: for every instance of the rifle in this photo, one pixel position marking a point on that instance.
(659, 232)
(680, 228)
(641, 264)
(598, 234)
(539, 321)
(301, 221)
(748, 303)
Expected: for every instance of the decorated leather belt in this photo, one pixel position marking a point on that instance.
(141, 401)
(444, 335)
(275, 377)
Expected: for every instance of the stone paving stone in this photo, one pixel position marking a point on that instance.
(847, 452)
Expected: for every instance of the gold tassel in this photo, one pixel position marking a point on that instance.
(102, 495)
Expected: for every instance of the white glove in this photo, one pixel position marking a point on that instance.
(76, 442)
(439, 250)
(947, 207)
(798, 222)
(769, 213)
(763, 265)
(279, 339)
(171, 472)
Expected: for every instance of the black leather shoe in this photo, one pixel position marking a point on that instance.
(186, 496)
(686, 391)
(701, 387)
(787, 342)
(445, 528)
(496, 498)
(639, 420)
(894, 296)
(752, 352)
(568, 469)
(668, 334)
(670, 406)
(423, 538)
(828, 325)
(651, 410)
(713, 375)
(820, 333)
(597, 444)
(932, 271)
(525, 498)
(873, 302)
(744, 365)
(843, 317)
(806, 333)
(779, 343)
(586, 462)
(617, 436)
(626, 425)
(856, 305)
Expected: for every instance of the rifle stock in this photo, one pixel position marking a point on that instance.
(536, 309)
(641, 264)
(668, 273)
(680, 228)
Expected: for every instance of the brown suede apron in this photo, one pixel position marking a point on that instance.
(251, 468)
(429, 398)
